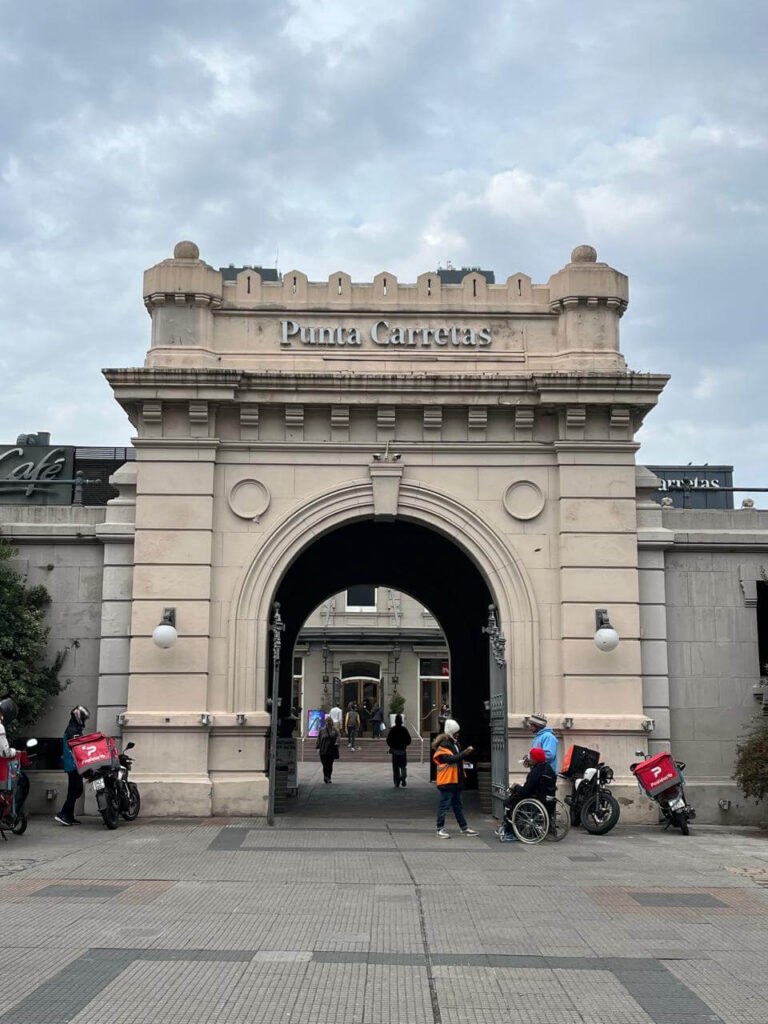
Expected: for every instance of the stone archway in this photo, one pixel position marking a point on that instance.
(494, 558)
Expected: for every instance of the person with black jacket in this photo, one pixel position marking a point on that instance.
(398, 739)
(540, 784)
(328, 747)
(77, 719)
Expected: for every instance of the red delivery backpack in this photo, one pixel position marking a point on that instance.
(93, 751)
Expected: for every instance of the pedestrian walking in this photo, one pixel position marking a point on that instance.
(351, 725)
(365, 716)
(398, 741)
(336, 714)
(77, 718)
(449, 758)
(328, 747)
(377, 721)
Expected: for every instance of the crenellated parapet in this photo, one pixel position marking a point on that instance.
(248, 318)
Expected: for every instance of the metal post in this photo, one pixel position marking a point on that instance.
(276, 628)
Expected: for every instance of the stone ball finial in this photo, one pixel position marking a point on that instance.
(186, 251)
(584, 254)
(667, 502)
(747, 502)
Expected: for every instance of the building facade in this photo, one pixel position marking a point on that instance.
(471, 445)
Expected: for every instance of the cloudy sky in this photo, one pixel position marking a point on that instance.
(368, 136)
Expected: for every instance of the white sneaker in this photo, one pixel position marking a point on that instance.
(443, 834)
(469, 832)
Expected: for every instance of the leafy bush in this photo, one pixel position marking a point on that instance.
(396, 703)
(24, 674)
(751, 771)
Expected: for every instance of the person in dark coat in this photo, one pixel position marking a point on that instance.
(398, 740)
(377, 720)
(540, 784)
(328, 747)
(77, 718)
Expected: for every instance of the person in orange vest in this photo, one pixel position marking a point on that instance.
(448, 758)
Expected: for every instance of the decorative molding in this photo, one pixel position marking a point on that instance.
(249, 499)
(385, 481)
(621, 422)
(498, 641)
(339, 422)
(524, 422)
(748, 580)
(249, 421)
(385, 422)
(152, 418)
(294, 423)
(432, 421)
(523, 500)
(477, 421)
(575, 422)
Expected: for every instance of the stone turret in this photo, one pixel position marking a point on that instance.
(589, 297)
(180, 295)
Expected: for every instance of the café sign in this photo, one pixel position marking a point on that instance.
(29, 474)
(384, 334)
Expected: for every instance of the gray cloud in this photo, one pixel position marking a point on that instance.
(368, 137)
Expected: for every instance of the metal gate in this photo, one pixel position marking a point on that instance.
(497, 670)
(276, 628)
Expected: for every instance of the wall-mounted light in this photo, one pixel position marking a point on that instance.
(567, 723)
(121, 718)
(649, 725)
(241, 719)
(724, 805)
(205, 718)
(165, 634)
(606, 638)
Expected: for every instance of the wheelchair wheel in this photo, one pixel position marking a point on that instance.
(559, 823)
(530, 821)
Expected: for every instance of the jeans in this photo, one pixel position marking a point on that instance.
(450, 798)
(74, 792)
(399, 769)
(351, 736)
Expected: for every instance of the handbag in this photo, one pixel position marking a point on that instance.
(335, 751)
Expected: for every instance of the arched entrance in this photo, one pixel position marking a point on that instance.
(424, 563)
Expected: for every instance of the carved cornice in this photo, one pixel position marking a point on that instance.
(614, 303)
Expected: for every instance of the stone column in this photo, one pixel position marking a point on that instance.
(116, 534)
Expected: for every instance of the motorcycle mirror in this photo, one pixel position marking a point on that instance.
(639, 753)
(129, 746)
(31, 744)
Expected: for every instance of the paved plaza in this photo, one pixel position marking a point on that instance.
(350, 910)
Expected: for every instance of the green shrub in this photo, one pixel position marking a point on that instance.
(751, 771)
(24, 674)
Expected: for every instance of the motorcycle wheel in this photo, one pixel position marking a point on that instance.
(109, 813)
(21, 824)
(134, 802)
(600, 814)
(682, 823)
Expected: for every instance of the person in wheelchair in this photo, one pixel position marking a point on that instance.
(540, 785)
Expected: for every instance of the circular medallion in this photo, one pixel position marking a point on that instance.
(249, 499)
(523, 499)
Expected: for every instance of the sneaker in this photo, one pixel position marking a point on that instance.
(75, 821)
(510, 837)
(443, 834)
(61, 821)
(499, 831)
(403, 783)
(469, 832)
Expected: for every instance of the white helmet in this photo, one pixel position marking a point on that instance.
(81, 714)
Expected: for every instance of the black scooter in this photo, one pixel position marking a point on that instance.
(115, 795)
(13, 817)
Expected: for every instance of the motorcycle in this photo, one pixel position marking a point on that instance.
(14, 789)
(116, 796)
(661, 779)
(591, 802)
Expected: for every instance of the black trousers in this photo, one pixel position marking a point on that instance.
(399, 767)
(327, 762)
(74, 792)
